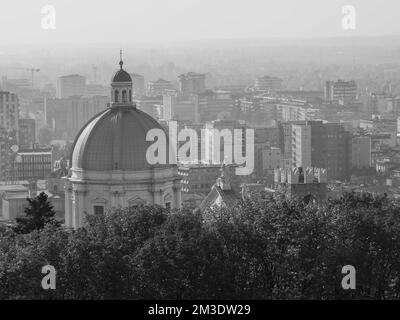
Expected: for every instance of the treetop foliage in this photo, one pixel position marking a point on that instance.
(264, 248)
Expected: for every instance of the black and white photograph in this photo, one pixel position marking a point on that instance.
(217, 152)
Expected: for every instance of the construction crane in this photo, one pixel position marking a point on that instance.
(32, 70)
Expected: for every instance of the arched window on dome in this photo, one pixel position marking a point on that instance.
(130, 96)
(116, 96)
(124, 99)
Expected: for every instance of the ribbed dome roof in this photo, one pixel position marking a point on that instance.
(114, 140)
(122, 76)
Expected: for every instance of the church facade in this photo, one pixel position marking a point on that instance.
(109, 168)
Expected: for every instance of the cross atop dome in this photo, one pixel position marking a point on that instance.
(121, 75)
(120, 59)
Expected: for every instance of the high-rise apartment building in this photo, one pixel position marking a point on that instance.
(198, 108)
(67, 116)
(26, 133)
(178, 107)
(301, 145)
(192, 82)
(361, 152)
(9, 110)
(148, 104)
(317, 144)
(9, 114)
(212, 105)
(198, 178)
(73, 85)
(158, 87)
(93, 90)
(268, 84)
(330, 149)
(340, 90)
(138, 88)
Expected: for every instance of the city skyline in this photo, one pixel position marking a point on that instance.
(188, 149)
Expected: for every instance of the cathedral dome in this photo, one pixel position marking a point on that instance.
(114, 140)
(109, 165)
(122, 76)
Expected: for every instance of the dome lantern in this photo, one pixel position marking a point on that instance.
(121, 87)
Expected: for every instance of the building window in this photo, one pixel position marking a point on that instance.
(116, 96)
(124, 96)
(98, 210)
(168, 205)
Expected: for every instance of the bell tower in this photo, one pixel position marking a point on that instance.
(121, 87)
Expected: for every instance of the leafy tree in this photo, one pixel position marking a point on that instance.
(266, 247)
(38, 213)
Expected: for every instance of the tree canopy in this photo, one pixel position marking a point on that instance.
(263, 248)
(38, 213)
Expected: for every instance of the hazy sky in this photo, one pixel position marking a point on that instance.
(124, 21)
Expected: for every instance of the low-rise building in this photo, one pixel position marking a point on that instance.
(32, 164)
(12, 201)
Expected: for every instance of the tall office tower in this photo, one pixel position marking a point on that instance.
(26, 133)
(345, 91)
(138, 88)
(268, 83)
(360, 152)
(267, 135)
(329, 148)
(192, 82)
(198, 108)
(178, 107)
(8, 129)
(93, 90)
(285, 141)
(236, 137)
(158, 87)
(8, 110)
(67, 116)
(301, 145)
(198, 178)
(212, 105)
(72, 85)
(266, 159)
(148, 104)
